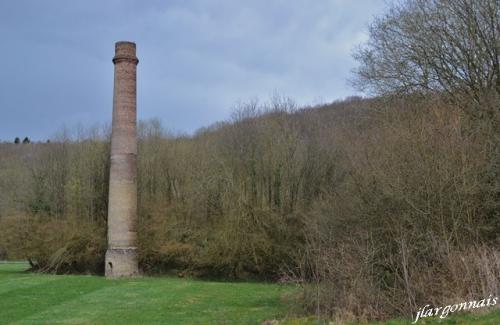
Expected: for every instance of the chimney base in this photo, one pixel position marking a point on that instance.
(121, 262)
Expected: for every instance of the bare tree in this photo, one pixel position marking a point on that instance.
(450, 46)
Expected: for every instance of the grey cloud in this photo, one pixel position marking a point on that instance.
(197, 58)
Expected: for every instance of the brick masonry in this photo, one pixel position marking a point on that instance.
(121, 256)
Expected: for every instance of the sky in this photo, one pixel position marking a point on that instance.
(198, 58)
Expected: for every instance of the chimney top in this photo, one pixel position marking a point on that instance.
(125, 51)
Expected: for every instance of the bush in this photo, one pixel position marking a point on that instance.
(413, 222)
(52, 245)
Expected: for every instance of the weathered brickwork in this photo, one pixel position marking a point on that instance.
(121, 256)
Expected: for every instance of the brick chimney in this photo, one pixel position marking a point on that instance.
(121, 256)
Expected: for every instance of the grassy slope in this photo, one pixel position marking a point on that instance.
(27, 298)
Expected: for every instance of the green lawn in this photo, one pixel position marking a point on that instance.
(27, 298)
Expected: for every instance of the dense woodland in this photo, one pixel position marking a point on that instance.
(374, 207)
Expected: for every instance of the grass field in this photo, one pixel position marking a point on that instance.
(27, 298)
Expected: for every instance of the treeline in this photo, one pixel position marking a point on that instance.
(227, 201)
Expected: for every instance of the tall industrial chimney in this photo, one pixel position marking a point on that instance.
(121, 256)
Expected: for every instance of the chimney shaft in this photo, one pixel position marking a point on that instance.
(121, 256)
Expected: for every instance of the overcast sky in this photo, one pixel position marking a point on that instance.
(197, 58)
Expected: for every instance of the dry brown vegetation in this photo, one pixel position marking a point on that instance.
(415, 222)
